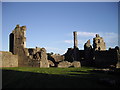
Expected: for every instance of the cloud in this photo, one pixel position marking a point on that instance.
(111, 39)
(69, 41)
(110, 35)
(82, 37)
(86, 34)
(55, 50)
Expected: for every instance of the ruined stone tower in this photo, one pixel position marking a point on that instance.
(75, 39)
(33, 57)
(98, 43)
(17, 39)
(75, 46)
(18, 43)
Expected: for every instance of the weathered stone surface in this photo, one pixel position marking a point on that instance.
(75, 39)
(57, 57)
(118, 65)
(7, 59)
(51, 64)
(88, 49)
(76, 64)
(98, 43)
(87, 45)
(38, 57)
(43, 58)
(88, 53)
(75, 53)
(69, 55)
(118, 56)
(64, 64)
(18, 39)
(18, 44)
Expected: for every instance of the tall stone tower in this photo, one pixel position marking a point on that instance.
(98, 43)
(17, 39)
(75, 46)
(75, 39)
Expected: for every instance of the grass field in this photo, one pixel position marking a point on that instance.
(29, 77)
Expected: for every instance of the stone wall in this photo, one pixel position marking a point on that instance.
(37, 57)
(43, 58)
(7, 59)
(66, 64)
(118, 51)
(69, 55)
(22, 58)
(106, 58)
(57, 57)
(118, 65)
(98, 43)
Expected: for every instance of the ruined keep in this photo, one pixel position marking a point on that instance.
(95, 56)
(27, 57)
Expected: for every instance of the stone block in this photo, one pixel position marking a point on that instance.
(51, 64)
(64, 64)
(76, 64)
(8, 59)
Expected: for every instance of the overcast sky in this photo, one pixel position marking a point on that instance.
(51, 24)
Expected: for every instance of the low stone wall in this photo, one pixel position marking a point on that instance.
(66, 64)
(7, 59)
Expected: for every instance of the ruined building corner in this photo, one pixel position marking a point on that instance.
(98, 43)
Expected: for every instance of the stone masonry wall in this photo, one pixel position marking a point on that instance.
(57, 57)
(43, 58)
(8, 59)
(106, 58)
(98, 43)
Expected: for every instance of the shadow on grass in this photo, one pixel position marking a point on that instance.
(19, 79)
(108, 78)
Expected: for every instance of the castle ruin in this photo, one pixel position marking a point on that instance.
(26, 57)
(98, 43)
(95, 56)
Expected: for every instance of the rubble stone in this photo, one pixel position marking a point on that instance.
(64, 64)
(51, 64)
(76, 64)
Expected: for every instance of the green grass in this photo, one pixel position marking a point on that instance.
(59, 71)
(33, 77)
